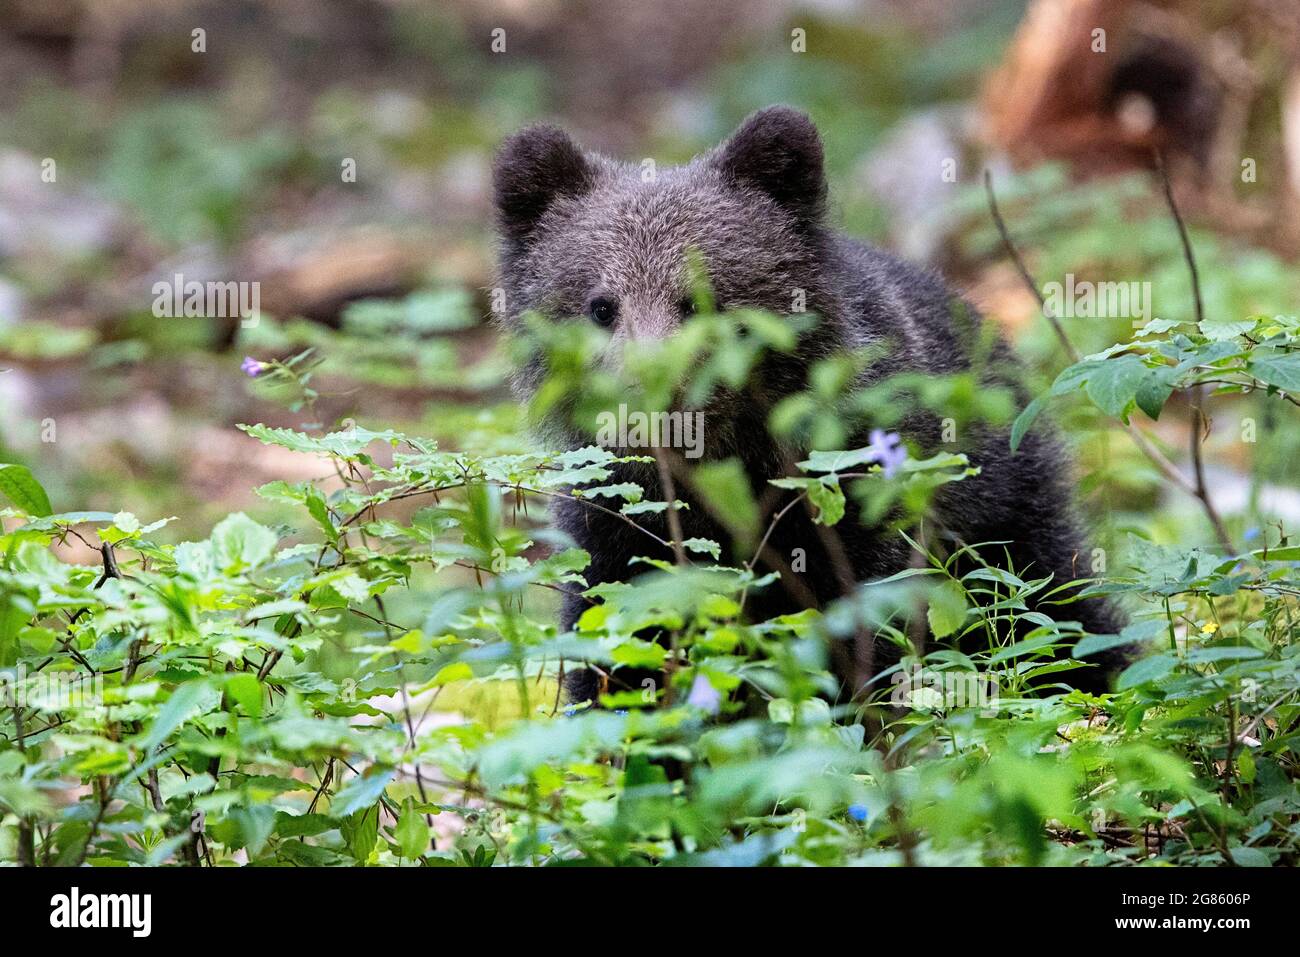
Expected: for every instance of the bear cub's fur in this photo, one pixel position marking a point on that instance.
(583, 238)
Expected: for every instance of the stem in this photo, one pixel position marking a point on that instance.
(1200, 425)
(670, 495)
(26, 834)
(1025, 274)
(1188, 255)
(1140, 439)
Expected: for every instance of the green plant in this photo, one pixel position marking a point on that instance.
(263, 695)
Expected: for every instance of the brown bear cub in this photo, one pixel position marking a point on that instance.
(586, 238)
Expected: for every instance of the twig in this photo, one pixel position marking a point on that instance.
(670, 496)
(762, 545)
(324, 783)
(104, 798)
(790, 580)
(26, 834)
(1144, 444)
(1229, 769)
(1025, 274)
(1255, 721)
(110, 564)
(1200, 425)
(1167, 187)
(151, 785)
(772, 527)
(1220, 844)
(406, 708)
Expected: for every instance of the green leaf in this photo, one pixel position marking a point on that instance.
(246, 691)
(422, 312)
(303, 825)
(1220, 329)
(1113, 384)
(1157, 326)
(456, 671)
(947, 609)
(1133, 634)
(346, 444)
(1154, 390)
(1203, 656)
(627, 490)
(351, 587)
(255, 824)
(1250, 857)
(636, 653)
(68, 518)
(703, 546)
(725, 486)
(839, 461)
(1280, 369)
(239, 543)
(315, 502)
(360, 831)
(829, 499)
(1025, 420)
(1146, 670)
(642, 508)
(181, 706)
(1246, 766)
(411, 832)
(309, 855)
(19, 486)
(361, 791)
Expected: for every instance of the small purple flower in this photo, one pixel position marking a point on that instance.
(704, 696)
(858, 812)
(251, 367)
(890, 453)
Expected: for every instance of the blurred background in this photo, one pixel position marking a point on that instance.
(337, 152)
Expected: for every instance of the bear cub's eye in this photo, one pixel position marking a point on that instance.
(686, 306)
(603, 311)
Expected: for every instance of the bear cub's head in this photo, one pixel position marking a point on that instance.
(586, 238)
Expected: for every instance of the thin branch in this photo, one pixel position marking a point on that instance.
(1140, 439)
(789, 579)
(776, 519)
(1200, 425)
(1167, 187)
(26, 833)
(406, 709)
(1028, 278)
(670, 495)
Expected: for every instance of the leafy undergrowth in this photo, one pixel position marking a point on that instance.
(376, 681)
(205, 735)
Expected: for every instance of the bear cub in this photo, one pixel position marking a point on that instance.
(589, 239)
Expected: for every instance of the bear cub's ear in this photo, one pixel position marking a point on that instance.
(778, 152)
(531, 170)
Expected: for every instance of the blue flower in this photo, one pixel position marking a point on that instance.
(889, 451)
(251, 367)
(704, 696)
(858, 812)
